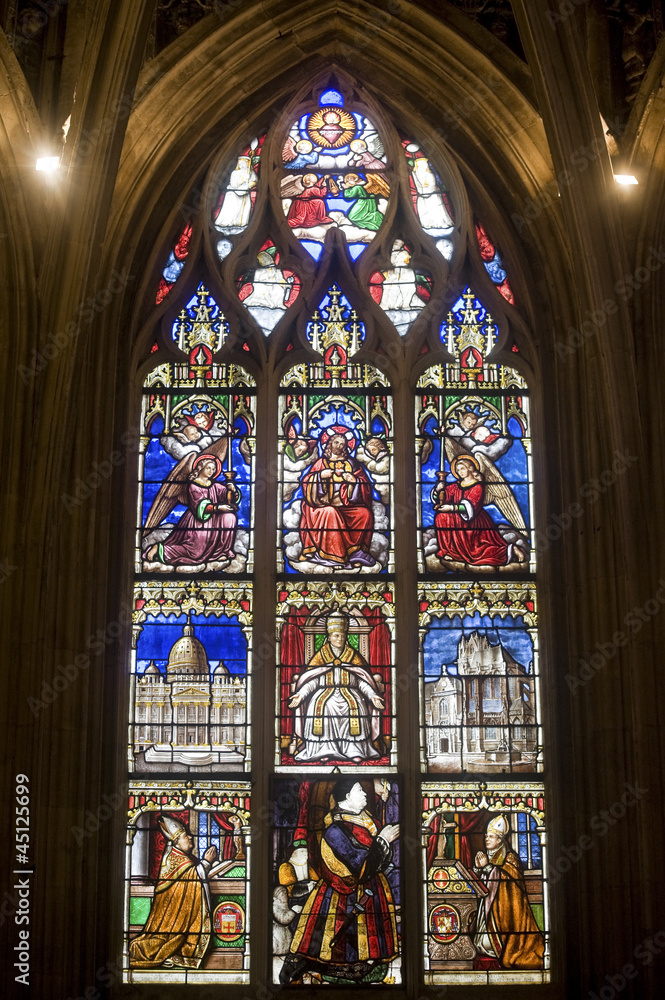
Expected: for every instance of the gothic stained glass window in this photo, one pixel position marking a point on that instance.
(336, 894)
(481, 705)
(268, 290)
(431, 202)
(174, 264)
(190, 721)
(319, 280)
(474, 453)
(400, 290)
(336, 440)
(336, 676)
(186, 890)
(190, 677)
(493, 264)
(235, 203)
(485, 888)
(196, 454)
(335, 176)
(486, 894)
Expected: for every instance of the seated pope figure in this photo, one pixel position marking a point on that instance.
(337, 702)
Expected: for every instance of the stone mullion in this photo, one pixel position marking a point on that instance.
(598, 385)
(263, 682)
(407, 685)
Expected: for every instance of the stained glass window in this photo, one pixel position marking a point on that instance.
(235, 203)
(493, 264)
(431, 202)
(267, 290)
(336, 675)
(484, 857)
(335, 176)
(480, 677)
(283, 522)
(336, 441)
(401, 291)
(484, 843)
(188, 829)
(186, 891)
(174, 264)
(336, 882)
(474, 454)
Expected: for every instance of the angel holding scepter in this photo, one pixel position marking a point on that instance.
(206, 531)
(465, 531)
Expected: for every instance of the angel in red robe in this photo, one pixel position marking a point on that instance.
(308, 208)
(336, 520)
(465, 531)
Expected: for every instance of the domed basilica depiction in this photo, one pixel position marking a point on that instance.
(188, 714)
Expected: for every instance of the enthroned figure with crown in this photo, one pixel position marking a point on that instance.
(506, 933)
(178, 929)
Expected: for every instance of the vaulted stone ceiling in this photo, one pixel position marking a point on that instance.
(622, 35)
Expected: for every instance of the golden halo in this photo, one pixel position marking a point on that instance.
(466, 458)
(331, 128)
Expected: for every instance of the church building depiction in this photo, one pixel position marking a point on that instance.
(331, 561)
(489, 703)
(188, 715)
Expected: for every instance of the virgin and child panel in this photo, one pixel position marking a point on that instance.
(335, 176)
(480, 696)
(196, 474)
(336, 882)
(335, 676)
(335, 452)
(190, 702)
(485, 894)
(186, 883)
(474, 482)
(336, 483)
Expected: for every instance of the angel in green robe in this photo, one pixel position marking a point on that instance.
(364, 213)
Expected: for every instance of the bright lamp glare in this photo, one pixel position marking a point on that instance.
(626, 179)
(48, 163)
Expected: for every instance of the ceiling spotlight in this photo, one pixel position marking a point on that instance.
(48, 163)
(626, 179)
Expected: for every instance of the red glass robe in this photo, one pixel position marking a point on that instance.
(468, 536)
(309, 208)
(336, 519)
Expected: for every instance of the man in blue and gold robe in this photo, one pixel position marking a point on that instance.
(348, 925)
